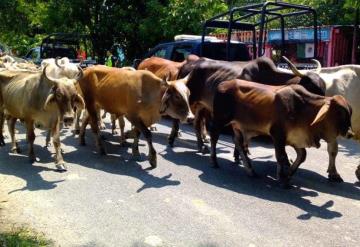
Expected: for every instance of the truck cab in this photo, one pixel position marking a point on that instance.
(184, 45)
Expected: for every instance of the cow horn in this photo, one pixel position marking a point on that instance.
(49, 78)
(81, 73)
(322, 113)
(318, 66)
(57, 63)
(293, 67)
(79, 101)
(50, 98)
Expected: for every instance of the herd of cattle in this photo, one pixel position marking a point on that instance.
(296, 108)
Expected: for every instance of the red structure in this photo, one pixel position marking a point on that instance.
(334, 46)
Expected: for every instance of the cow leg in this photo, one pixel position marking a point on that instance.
(135, 147)
(148, 136)
(214, 137)
(242, 151)
(333, 175)
(99, 119)
(300, 158)
(198, 131)
(113, 124)
(11, 126)
(31, 138)
(204, 118)
(282, 159)
(123, 142)
(59, 161)
(2, 120)
(85, 122)
(48, 137)
(174, 132)
(77, 121)
(95, 129)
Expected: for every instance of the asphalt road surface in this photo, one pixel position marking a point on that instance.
(115, 201)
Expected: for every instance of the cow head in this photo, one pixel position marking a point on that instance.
(58, 68)
(64, 96)
(175, 101)
(338, 112)
(310, 79)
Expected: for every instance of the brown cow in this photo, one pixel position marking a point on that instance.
(167, 69)
(289, 114)
(138, 95)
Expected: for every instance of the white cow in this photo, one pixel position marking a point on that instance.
(342, 80)
(38, 99)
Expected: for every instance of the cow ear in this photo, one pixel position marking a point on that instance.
(79, 102)
(322, 113)
(49, 100)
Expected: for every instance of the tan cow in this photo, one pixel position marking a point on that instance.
(39, 100)
(135, 94)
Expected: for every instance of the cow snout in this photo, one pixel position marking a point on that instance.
(68, 120)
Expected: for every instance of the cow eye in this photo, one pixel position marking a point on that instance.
(58, 95)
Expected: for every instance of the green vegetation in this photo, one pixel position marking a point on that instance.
(23, 238)
(137, 25)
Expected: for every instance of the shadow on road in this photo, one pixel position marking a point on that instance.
(232, 177)
(118, 161)
(18, 165)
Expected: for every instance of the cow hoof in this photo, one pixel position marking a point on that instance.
(171, 143)
(32, 159)
(124, 144)
(205, 150)
(82, 142)
(76, 132)
(60, 167)
(206, 139)
(102, 137)
(2, 142)
(102, 151)
(102, 127)
(153, 128)
(15, 150)
(153, 162)
(237, 160)
(136, 157)
(357, 172)
(114, 132)
(179, 134)
(335, 178)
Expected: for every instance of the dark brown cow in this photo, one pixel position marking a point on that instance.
(289, 114)
(207, 74)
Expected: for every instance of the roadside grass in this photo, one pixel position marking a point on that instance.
(23, 238)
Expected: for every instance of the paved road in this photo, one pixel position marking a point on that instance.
(114, 201)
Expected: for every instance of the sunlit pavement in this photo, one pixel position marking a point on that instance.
(115, 201)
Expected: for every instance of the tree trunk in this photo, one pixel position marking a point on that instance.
(355, 38)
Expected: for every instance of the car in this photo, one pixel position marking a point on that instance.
(74, 46)
(183, 45)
